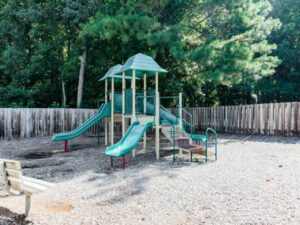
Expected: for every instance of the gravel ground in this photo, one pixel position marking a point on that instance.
(256, 181)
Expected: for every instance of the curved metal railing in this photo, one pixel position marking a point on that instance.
(190, 124)
(208, 130)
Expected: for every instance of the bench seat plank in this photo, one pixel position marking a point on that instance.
(14, 173)
(12, 164)
(15, 183)
(33, 187)
(37, 181)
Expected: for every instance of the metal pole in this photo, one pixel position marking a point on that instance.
(145, 108)
(105, 120)
(112, 110)
(133, 117)
(123, 103)
(156, 117)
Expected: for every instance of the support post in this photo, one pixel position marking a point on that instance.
(145, 108)
(66, 148)
(180, 111)
(111, 162)
(156, 117)
(180, 119)
(112, 110)
(133, 86)
(105, 120)
(133, 117)
(27, 204)
(123, 103)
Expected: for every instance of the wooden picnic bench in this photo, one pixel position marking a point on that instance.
(15, 183)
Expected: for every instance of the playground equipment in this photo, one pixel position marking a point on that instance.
(104, 111)
(143, 110)
(130, 140)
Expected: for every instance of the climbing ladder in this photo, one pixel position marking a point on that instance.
(189, 142)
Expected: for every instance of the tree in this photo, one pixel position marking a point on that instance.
(285, 84)
(227, 42)
(216, 52)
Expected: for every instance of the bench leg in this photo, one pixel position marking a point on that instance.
(191, 157)
(27, 204)
(180, 152)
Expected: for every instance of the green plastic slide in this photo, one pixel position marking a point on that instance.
(163, 113)
(104, 111)
(129, 141)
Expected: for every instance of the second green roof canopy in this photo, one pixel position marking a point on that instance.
(112, 73)
(142, 64)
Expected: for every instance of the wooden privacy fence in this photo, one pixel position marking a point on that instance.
(27, 122)
(268, 119)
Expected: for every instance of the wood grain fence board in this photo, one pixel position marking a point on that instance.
(256, 118)
(297, 117)
(260, 127)
(252, 119)
(271, 118)
(282, 115)
(289, 117)
(236, 124)
(276, 118)
(294, 119)
(268, 119)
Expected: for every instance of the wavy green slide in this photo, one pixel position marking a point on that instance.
(163, 113)
(129, 141)
(104, 111)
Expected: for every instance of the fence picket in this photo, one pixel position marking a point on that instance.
(269, 119)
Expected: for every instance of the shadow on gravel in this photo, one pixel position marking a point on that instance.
(117, 191)
(38, 155)
(8, 217)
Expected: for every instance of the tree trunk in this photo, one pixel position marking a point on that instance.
(64, 97)
(81, 78)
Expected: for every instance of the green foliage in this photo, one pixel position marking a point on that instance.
(285, 84)
(16, 105)
(30, 104)
(54, 105)
(216, 52)
(227, 42)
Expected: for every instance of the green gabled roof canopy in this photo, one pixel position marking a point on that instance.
(114, 72)
(142, 64)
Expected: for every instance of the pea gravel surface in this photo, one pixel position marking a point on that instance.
(256, 180)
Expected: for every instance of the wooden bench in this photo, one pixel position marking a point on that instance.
(15, 183)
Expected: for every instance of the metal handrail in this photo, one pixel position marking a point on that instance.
(165, 97)
(190, 124)
(98, 102)
(215, 142)
(174, 100)
(148, 96)
(170, 112)
(173, 131)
